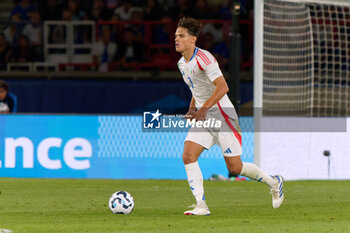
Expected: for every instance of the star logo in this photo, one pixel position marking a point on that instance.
(156, 115)
(151, 119)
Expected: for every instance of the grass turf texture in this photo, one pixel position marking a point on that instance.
(60, 205)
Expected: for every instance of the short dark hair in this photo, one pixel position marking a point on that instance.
(4, 84)
(192, 25)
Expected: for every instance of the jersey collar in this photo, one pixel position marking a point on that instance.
(194, 53)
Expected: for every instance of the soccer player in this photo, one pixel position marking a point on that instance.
(202, 74)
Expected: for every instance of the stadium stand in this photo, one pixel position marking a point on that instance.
(64, 32)
(59, 39)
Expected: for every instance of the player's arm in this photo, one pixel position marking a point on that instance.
(192, 105)
(221, 89)
(191, 111)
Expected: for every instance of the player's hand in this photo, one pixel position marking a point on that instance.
(201, 114)
(190, 115)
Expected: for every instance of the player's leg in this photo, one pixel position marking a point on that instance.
(250, 170)
(195, 143)
(190, 156)
(230, 143)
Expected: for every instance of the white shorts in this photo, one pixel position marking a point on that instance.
(228, 137)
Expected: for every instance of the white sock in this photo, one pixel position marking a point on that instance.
(195, 180)
(253, 172)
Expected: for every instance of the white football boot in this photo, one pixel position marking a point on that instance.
(277, 192)
(198, 209)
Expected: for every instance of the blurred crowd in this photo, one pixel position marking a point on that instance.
(21, 39)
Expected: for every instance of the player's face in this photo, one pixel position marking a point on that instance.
(183, 40)
(3, 93)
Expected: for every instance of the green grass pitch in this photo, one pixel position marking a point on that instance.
(65, 205)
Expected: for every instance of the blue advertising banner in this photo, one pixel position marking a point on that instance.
(79, 146)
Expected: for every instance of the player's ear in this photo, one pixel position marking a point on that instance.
(194, 39)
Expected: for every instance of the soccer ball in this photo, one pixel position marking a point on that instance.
(121, 202)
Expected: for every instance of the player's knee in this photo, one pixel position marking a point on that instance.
(235, 169)
(188, 158)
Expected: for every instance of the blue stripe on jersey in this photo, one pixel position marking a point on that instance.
(194, 53)
(189, 78)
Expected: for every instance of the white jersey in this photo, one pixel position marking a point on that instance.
(199, 74)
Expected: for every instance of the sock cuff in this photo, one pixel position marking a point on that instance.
(247, 166)
(191, 165)
(244, 167)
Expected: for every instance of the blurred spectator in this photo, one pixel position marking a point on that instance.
(115, 27)
(8, 101)
(221, 52)
(67, 15)
(99, 11)
(23, 52)
(112, 4)
(129, 50)
(207, 41)
(13, 30)
(216, 3)
(181, 9)
(5, 52)
(167, 4)
(125, 10)
(33, 30)
(57, 34)
(225, 10)
(77, 13)
(22, 9)
(104, 50)
(51, 10)
(153, 10)
(138, 29)
(161, 33)
(202, 10)
(215, 30)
